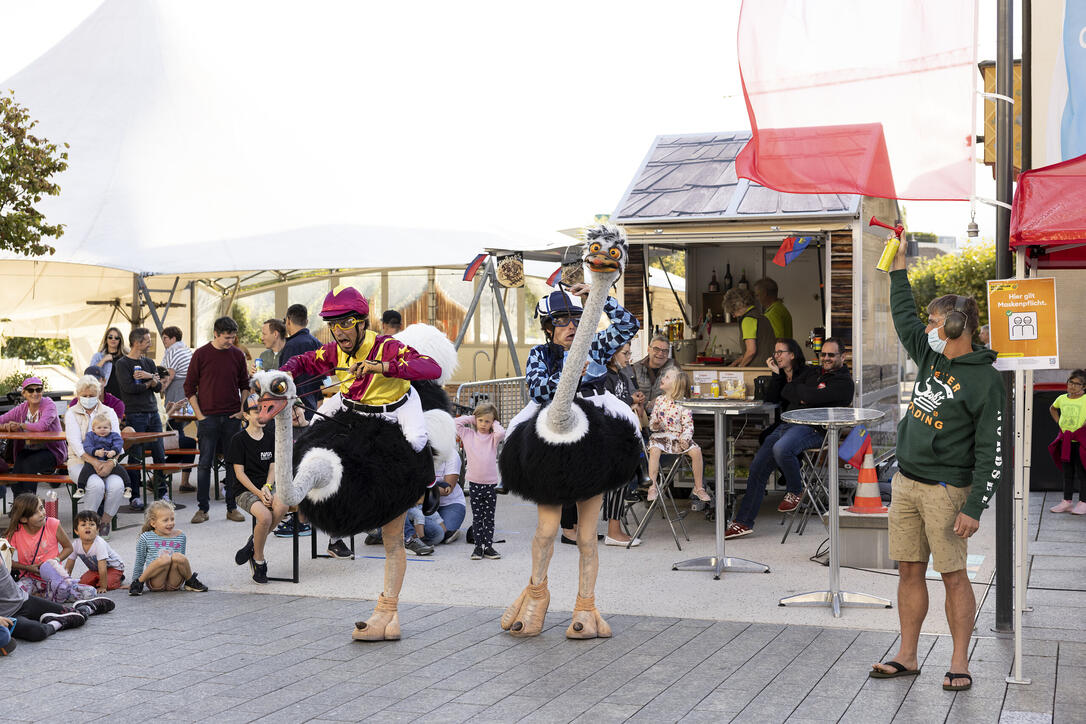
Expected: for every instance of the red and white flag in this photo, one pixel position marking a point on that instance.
(858, 96)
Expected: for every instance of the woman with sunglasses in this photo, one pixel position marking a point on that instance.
(36, 413)
(112, 349)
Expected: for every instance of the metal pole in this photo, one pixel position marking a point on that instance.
(1004, 162)
(1026, 111)
(493, 276)
(470, 314)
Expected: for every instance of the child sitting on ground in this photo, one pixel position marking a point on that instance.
(161, 548)
(480, 433)
(672, 433)
(252, 454)
(102, 443)
(30, 618)
(41, 544)
(105, 569)
(1069, 448)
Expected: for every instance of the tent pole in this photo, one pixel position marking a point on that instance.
(493, 277)
(470, 314)
(134, 317)
(1004, 513)
(146, 294)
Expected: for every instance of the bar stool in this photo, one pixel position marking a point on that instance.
(815, 497)
(670, 467)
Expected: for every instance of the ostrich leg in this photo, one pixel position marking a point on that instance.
(587, 622)
(384, 624)
(525, 617)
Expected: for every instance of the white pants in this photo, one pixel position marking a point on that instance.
(606, 401)
(410, 419)
(112, 489)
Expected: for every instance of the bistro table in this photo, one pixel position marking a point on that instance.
(833, 419)
(721, 410)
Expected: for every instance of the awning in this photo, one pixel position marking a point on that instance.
(1049, 210)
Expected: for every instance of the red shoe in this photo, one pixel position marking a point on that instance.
(737, 530)
(790, 503)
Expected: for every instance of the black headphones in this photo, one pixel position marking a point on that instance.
(956, 319)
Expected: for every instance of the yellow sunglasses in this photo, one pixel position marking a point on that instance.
(345, 324)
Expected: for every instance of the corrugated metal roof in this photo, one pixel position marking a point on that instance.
(693, 177)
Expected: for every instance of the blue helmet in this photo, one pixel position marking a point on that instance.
(558, 303)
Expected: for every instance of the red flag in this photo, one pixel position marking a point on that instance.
(839, 92)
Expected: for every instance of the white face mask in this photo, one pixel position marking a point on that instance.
(88, 403)
(935, 341)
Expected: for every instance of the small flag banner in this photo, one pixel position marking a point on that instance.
(473, 267)
(791, 247)
(855, 446)
(553, 279)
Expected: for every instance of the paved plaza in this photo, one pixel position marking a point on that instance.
(249, 655)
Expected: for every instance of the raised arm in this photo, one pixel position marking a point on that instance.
(624, 327)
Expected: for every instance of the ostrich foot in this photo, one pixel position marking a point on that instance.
(383, 625)
(587, 621)
(525, 617)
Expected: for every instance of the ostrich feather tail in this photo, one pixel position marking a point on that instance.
(442, 433)
(432, 342)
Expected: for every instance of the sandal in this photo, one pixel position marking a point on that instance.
(898, 670)
(961, 687)
(701, 495)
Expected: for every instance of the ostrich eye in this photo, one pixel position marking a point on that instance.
(594, 248)
(614, 252)
(279, 387)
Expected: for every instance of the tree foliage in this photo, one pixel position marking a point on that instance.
(965, 272)
(248, 329)
(27, 165)
(38, 351)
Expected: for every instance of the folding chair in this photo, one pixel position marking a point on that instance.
(815, 496)
(294, 569)
(670, 466)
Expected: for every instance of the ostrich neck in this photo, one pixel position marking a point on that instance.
(558, 414)
(284, 454)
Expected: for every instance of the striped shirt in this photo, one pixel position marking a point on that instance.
(177, 358)
(151, 545)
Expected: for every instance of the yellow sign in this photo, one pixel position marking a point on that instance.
(1022, 323)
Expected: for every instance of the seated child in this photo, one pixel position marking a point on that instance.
(30, 618)
(40, 544)
(672, 433)
(104, 444)
(105, 569)
(252, 454)
(161, 564)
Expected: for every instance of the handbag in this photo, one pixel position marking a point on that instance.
(16, 575)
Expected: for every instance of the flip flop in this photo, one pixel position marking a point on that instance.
(962, 687)
(898, 670)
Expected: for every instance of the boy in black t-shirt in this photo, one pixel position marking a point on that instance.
(251, 455)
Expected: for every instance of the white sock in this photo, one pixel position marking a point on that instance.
(259, 563)
(55, 625)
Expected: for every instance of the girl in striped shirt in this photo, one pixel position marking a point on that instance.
(161, 564)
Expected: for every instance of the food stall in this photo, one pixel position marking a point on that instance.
(685, 196)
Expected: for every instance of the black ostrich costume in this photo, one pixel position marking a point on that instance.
(371, 492)
(548, 474)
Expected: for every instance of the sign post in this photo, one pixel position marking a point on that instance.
(1022, 328)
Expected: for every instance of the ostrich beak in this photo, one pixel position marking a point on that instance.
(601, 263)
(269, 408)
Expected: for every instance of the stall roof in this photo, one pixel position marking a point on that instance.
(692, 177)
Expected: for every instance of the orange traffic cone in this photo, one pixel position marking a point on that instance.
(867, 498)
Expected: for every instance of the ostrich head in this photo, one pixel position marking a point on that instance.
(605, 250)
(276, 390)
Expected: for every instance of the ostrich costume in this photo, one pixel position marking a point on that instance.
(353, 472)
(574, 445)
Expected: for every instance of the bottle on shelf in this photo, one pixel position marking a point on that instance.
(728, 277)
(743, 281)
(714, 285)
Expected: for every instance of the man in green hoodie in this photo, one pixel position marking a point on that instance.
(949, 458)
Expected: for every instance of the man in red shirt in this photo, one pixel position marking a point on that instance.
(217, 382)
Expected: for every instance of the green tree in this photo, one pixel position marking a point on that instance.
(965, 272)
(38, 351)
(27, 163)
(248, 331)
(674, 264)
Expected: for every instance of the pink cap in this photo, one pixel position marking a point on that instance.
(32, 381)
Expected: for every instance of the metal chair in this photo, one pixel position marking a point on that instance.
(670, 466)
(815, 496)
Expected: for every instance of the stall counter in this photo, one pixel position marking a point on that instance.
(749, 373)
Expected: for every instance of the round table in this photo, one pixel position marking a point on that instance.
(833, 419)
(721, 409)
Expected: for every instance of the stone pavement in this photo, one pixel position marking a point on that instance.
(237, 657)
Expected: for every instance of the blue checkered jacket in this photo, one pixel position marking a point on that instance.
(545, 360)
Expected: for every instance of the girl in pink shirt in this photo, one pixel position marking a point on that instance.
(480, 434)
(41, 544)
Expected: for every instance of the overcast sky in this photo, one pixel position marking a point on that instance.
(651, 68)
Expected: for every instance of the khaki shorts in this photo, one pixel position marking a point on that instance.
(922, 523)
(245, 500)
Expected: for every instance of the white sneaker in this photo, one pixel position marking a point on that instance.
(127, 494)
(78, 494)
(609, 541)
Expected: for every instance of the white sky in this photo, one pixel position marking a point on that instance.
(606, 77)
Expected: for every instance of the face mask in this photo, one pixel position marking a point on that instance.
(88, 403)
(935, 342)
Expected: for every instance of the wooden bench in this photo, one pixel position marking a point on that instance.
(164, 468)
(9, 478)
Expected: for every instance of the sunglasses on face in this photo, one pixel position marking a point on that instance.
(565, 321)
(114, 339)
(34, 390)
(829, 355)
(345, 324)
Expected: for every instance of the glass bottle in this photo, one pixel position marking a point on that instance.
(714, 285)
(743, 281)
(728, 278)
